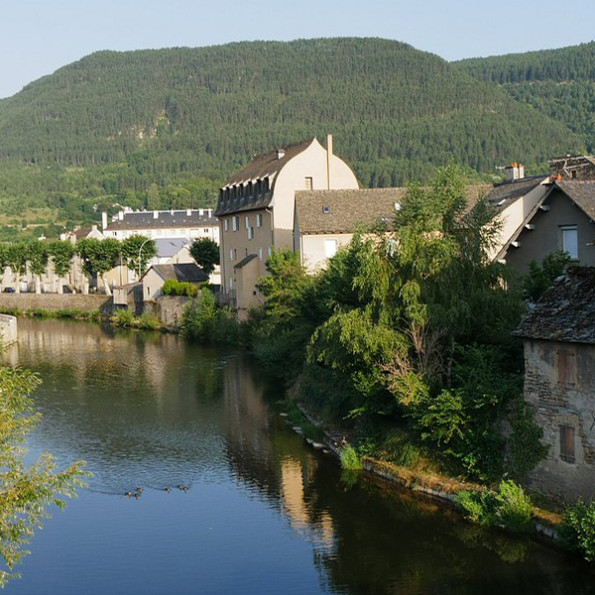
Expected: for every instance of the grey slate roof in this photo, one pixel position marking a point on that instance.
(566, 312)
(188, 272)
(262, 167)
(167, 247)
(165, 219)
(582, 193)
(506, 193)
(340, 211)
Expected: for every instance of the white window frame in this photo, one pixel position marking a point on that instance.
(235, 223)
(570, 240)
(258, 220)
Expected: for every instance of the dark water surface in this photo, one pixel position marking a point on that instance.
(263, 513)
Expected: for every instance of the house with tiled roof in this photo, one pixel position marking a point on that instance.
(256, 209)
(152, 281)
(325, 220)
(559, 344)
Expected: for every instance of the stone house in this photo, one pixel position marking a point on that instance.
(559, 344)
(256, 210)
(152, 281)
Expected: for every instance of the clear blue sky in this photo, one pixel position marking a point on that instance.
(40, 36)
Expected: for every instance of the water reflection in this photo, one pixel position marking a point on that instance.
(263, 514)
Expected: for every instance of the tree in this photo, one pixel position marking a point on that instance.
(134, 246)
(61, 254)
(206, 254)
(99, 256)
(16, 259)
(25, 493)
(37, 257)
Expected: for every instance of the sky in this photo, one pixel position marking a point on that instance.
(39, 36)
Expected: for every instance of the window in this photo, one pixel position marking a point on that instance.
(225, 225)
(330, 248)
(570, 240)
(250, 231)
(260, 253)
(567, 444)
(235, 223)
(231, 254)
(259, 220)
(566, 366)
(309, 183)
(247, 222)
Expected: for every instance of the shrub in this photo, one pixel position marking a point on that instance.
(350, 459)
(147, 321)
(509, 507)
(203, 321)
(181, 288)
(122, 317)
(577, 530)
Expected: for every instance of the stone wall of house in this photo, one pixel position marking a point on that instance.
(168, 309)
(54, 301)
(8, 329)
(563, 399)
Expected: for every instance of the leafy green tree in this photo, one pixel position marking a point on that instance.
(135, 246)
(37, 257)
(16, 259)
(25, 493)
(61, 254)
(205, 252)
(99, 256)
(541, 277)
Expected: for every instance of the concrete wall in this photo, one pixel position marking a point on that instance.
(547, 235)
(8, 329)
(562, 403)
(52, 301)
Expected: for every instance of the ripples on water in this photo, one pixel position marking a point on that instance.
(262, 512)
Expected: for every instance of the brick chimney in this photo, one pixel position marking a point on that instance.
(514, 171)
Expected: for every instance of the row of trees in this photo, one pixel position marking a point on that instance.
(97, 257)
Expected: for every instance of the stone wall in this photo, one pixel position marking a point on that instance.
(168, 309)
(54, 301)
(559, 402)
(8, 329)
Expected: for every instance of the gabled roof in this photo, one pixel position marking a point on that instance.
(167, 247)
(188, 272)
(165, 219)
(582, 193)
(268, 164)
(503, 195)
(341, 211)
(566, 312)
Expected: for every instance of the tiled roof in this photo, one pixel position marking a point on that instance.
(188, 272)
(261, 168)
(165, 219)
(582, 193)
(506, 193)
(268, 164)
(566, 312)
(340, 211)
(167, 247)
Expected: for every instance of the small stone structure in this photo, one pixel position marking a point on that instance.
(559, 340)
(8, 329)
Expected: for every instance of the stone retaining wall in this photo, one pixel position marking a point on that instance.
(54, 301)
(8, 329)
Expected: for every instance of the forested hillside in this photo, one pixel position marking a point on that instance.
(163, 128)
(559, 83)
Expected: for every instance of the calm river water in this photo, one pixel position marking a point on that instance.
(263, 513)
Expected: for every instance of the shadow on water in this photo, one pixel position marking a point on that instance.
(147, 410)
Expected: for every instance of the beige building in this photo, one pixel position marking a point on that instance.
(559, 340)
(325, 220)
(152, 281)
(256, 211)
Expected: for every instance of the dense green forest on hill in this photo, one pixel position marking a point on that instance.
(164, 128)
(559, 83)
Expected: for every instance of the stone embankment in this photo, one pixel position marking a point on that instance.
(8, 330)
(55, 302)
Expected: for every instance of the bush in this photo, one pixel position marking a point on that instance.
(147, 321)
(122, 317)
(181, 288)
(203, 321)
(577, 531)
(509, 507)
(350, 459)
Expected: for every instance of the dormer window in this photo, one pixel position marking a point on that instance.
(326, 209)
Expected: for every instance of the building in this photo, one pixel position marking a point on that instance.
(153, 280)
(325, 220)
(559, 344)
(256, 210)
(188, 224)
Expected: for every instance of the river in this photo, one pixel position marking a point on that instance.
(259, 511)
